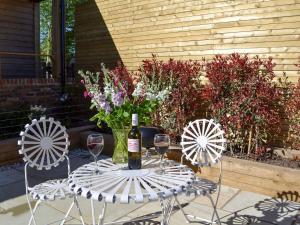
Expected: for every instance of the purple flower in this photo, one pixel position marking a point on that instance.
(106, 106)
(117, 98)
(101, 101)
(101, 98)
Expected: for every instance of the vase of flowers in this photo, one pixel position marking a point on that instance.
(115, 94)
(120, 151)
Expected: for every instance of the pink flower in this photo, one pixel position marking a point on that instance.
(82, 81)
(85, 94)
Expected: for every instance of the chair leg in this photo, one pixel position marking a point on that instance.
(181, 209)
(33, 211)
(93, 212)
(79, 210)
(215, 212)
(67, 214)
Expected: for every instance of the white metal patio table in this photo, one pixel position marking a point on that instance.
(114, 183)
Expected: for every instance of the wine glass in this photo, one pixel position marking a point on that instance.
(161, 144)
(95, 143)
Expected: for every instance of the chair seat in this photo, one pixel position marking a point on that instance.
(51, 190)
(202, 186)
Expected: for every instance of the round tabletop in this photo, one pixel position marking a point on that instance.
(116, 183)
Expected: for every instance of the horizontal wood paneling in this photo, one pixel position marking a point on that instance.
(94, 44)
(17, 34)
(188, 29)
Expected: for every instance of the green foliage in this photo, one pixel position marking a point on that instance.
(46, 26)
(121, 116)
(117, 97)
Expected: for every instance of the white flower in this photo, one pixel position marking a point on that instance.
(150, 96)
(37, 108)
(138, 89)
(107, 91)
(161, 96)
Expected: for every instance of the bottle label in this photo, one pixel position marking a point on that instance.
(133, 145)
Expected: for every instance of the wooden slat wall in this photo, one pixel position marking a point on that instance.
(17, 34)
(94, 43)
(188, 29)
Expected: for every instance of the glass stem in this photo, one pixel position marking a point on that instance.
(161, 163)
(95, 158)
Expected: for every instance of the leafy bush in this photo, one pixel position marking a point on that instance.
(183, 103)
(292, 112)
(243, 97)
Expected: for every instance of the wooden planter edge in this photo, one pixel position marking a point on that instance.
(259, 177)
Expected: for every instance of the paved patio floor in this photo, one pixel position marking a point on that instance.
(236, 207)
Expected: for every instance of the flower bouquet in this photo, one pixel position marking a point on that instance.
(115, 94)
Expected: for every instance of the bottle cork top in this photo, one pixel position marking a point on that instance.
(135, 119)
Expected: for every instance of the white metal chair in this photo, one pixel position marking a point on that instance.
(202, 144)
(44, 144)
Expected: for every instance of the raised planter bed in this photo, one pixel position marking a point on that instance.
(253, 176)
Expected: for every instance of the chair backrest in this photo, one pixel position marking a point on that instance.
(44, 143)
(203, 142)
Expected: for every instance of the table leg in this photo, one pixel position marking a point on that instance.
(93, 212)
(167, 206)
(102, 214)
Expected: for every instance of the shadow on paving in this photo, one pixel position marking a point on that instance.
(274, 211)
(141, 221)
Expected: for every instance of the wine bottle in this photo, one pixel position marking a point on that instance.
(134, 145)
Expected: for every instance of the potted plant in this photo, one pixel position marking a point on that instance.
(115, 94)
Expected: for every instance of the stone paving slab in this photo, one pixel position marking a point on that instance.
(234, 219)
(73, 222)
(16, 212)
(10, 176)
(114, 211)
(227, 193)
(177, 217)
(236, 207)
(198, 210)
(12, 190)
(252, 207)
(244, 200)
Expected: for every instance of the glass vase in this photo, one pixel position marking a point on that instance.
(120, 154)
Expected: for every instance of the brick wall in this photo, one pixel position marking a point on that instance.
(15, 93)
(18, 93)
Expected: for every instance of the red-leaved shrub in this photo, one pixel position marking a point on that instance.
(292, 112)
(244, 99)
(184, 102)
